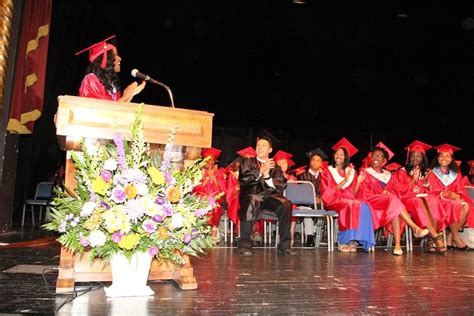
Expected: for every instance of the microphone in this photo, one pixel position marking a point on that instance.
(137, 74)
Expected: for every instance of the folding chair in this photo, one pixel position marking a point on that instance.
(302, 194)
(41, 199)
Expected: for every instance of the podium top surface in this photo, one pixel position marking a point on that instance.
(96, 118)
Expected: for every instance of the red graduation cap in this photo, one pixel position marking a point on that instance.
(471, 163)
(211, 152)
(447, 148)
(300, 170)
(418, 146)
(283, 155)
(344, 143)
(393, 166)
(248, 152)
(390, 153)
(99, 49)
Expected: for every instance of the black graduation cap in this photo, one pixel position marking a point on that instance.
(266, 134)
(318, 151)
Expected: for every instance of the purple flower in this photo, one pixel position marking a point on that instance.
(200, 212)
(187, 238)
(152, 251)
(212, 202)
(194, 233)
(104, 205)
(169, 178)
(117, 237)
(168, 210)
(106, 175)
(120, 150)
(118, 194)
(158, 218)
(149, 226)
(83, 240)
(160, 201)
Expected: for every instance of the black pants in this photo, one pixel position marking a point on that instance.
(282, 209)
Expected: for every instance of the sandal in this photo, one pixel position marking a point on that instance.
(397, 251)
(353, 246)
(344, 247)
(420, 233)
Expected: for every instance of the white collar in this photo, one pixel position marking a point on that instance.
(446, 179)
(314, 173)
(338, 178)
(385, 176)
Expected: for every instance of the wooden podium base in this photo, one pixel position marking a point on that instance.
(76, 268)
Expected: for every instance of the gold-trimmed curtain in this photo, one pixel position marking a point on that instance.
(30, 68)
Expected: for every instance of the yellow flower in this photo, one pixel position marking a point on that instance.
(129, 242)
(173, 195)
(131, 191)
(100, 186)
(163, 233)
(156, 176)
(93, 222)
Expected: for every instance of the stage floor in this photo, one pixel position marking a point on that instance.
(314, 281)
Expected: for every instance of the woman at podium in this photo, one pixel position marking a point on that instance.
(101, 80)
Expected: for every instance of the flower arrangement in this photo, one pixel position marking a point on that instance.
(129, 200)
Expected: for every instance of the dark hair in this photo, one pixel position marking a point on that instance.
(424, 164)
(347, 159)
(107, 76)
(268, 139)
(383, 151)
(452, 166)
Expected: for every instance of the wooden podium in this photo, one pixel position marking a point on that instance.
(78, 118)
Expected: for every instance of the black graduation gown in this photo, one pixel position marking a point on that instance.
(254, 191)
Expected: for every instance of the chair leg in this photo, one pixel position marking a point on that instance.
(277, 234)
(231, 233)
(389, 241)
(265, 233)
(225, 228)
(302, 232)
(32, 216)
(40, 215)
(23, 216)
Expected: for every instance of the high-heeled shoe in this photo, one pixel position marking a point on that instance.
(420, 233)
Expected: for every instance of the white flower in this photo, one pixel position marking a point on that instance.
(177, 220)
(97, 238)
(110, 164)
(142, 189)
(87, 208)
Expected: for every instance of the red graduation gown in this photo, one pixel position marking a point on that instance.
(407, 192)
(452, 208)
(385, 206)
(212, 184)
(91, 87)
(341, 200)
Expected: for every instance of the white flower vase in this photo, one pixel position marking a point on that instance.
(129, 277)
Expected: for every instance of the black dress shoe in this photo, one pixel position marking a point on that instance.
(286, 252)
(245, 252)
(309, 241)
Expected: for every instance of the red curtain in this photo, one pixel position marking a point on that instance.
(30, 68)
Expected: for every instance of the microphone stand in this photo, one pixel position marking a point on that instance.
(167, 89)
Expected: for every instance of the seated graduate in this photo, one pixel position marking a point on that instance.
(261, 187)
(337, 186)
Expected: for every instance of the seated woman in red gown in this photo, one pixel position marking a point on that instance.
(411, 188)
(445, 181)
(337, 187)
(376, 188)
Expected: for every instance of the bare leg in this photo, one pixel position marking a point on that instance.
(454, 227)
(396, 231)
(416, 229)
(292, 232)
